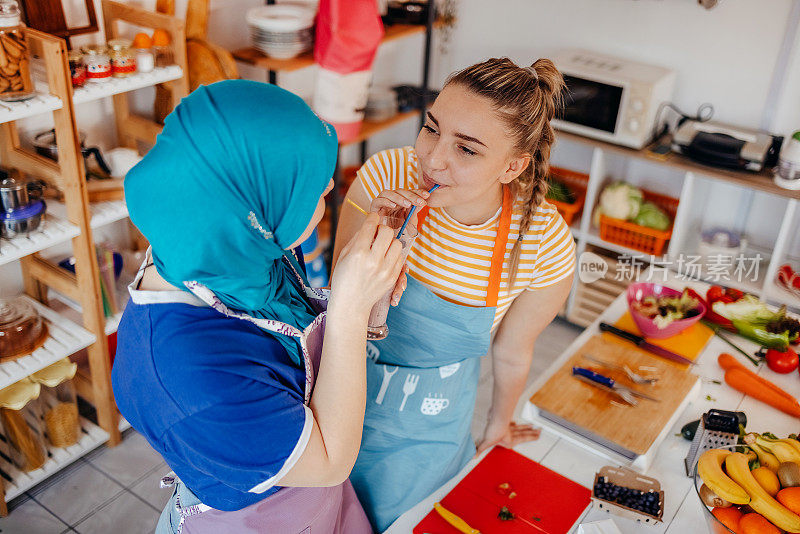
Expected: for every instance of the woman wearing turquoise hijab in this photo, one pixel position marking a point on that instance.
(227, 362)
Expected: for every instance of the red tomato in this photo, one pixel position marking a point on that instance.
(714, 293)
(782, 362)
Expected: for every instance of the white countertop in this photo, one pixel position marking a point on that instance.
(683, 513)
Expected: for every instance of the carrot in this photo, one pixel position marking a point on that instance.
(748, 384)
(728, 362)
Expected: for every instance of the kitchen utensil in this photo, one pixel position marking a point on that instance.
(635, 377)
(719, 429)
(22, 330)
(637, 291)
(640, 342)
(787, 173)
(478, 498)
(406, 12)
(564, 403)
(22, 221)
(689, 343)
(611, 383)
(16, 194)
(356, 206)
(387, 376)
(409, 387)
(622, 395)
(45, 144)
(412, 210)
(454, 520)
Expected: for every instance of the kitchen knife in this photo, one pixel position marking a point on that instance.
(642, 343)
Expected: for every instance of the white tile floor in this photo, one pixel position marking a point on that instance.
(117, 490)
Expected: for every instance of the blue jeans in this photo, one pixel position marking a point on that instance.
(170, 519)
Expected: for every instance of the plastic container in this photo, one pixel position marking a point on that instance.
(98, 63)
(647, 326)
(381, 104)
(637, 237)
(22, 330)
(576, 182)
(58, 403)
(15, 73)
(123, 61)
(22, 425)
(627, 478)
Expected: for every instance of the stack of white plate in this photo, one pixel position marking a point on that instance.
(282, 31)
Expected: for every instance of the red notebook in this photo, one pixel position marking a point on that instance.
(545, 502)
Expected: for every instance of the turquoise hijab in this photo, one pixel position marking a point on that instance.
(233, 179)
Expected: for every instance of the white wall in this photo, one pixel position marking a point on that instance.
(725, 56)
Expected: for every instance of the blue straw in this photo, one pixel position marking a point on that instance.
(413, 209)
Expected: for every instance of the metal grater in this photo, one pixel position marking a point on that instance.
(719, 429)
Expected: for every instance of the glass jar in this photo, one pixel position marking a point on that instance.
(77, 68)
(162, 49)
(123, 62)
(58, 403)
(98, 64)
(15, 72)
(22, 330)
(22, 425)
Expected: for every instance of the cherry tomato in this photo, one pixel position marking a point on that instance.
(782, 362)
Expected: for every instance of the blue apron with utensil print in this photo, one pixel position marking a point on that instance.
(421, 386)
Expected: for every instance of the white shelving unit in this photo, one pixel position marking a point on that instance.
(108, 212)
(605, 167)
(114, 86)
(65, 338)
(52, 231)
(92, 436)
(41, 103)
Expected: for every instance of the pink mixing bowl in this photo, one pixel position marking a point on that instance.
(647, 326)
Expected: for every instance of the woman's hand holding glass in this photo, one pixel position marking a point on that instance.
(368, 267)
(390, 201)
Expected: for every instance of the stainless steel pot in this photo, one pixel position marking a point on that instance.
(45, 144)
(23, 221)
(16, 194)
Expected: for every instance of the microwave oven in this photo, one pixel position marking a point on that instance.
(610, 98)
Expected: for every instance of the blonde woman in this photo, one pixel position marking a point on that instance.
(491, 267)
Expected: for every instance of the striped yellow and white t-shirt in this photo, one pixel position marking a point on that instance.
(453, 260)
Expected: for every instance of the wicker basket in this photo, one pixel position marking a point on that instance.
(637, 237)
(577, 183)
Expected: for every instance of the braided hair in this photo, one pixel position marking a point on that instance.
(526, 99)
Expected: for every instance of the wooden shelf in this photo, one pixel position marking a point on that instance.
(761, 181)
(108, 212)
(65, 338)
(52, 231)
(253, 56)
(92, 436)
(370, 128)
(41, 103)
(94, 91)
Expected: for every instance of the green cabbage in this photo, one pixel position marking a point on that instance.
(651, 216)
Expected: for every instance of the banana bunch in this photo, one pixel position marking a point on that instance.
(737, 485)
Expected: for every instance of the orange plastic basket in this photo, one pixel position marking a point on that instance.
(637, 237)
(577, 183)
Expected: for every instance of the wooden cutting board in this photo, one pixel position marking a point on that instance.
(589, 410)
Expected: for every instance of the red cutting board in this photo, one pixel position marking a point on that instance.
(546, 502)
